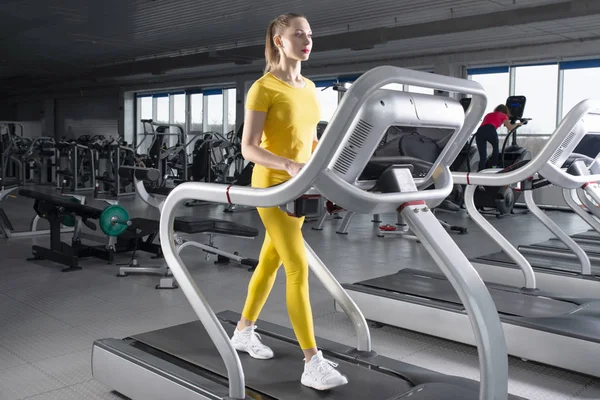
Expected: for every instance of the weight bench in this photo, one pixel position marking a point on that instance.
(123, 234)
(7, 187)
(185, 225)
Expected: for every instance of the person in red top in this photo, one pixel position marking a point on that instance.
(487, 134)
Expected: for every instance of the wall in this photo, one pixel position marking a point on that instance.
(79, 116)
(29, 114)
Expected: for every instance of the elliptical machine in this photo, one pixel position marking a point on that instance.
(502, 199)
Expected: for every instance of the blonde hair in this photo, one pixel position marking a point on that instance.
(276, 27)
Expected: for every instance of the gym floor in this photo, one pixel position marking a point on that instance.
(50, 319)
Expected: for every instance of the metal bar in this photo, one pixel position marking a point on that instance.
(593, 208)
(481, 310)
(507, 247)
(235, 373)
(586, 267)
(590, 220)
(342, 298)
(345, 223)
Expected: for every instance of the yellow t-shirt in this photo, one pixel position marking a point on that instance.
(292, 118)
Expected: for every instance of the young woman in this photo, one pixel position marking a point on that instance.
(282, 113)
(487, 134)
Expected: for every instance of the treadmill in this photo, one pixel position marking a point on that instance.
(197, 361)
(559, 330)
(587, 210)
(563, 265)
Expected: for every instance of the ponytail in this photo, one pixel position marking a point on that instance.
(276, 27)
(271, 51)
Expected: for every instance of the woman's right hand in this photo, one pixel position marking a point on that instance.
(293, 168)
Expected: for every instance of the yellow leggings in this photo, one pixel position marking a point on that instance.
(283, 243)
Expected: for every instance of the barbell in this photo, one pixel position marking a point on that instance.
(113, 220)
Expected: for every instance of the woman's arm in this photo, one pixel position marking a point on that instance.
(254, 124)
(510, 126)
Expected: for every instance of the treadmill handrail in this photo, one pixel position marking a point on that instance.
(549, 160)
(582, 257)
(494, 369)
(581, 194)
(589, 219)
(507, 247)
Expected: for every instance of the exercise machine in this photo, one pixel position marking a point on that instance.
(197, 360)
(502, 199)
(7, 188)
(550, 328)
(562, 265)
(121, 233)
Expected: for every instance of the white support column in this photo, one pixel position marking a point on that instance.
(559, 94)
(225, 107)
(204, 113)
(126, 125)
(512, 81)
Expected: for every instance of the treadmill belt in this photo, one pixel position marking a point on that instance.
(279, 377)
(539, 262)
(437, 287)
(590, 249)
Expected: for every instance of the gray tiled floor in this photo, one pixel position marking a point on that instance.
(49, 319)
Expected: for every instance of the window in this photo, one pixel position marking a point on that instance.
(496, 84)
(539, 84)
(579, 84)
(162, 109)
(231, 110)
(145, 107)
(145, 110)
(328, 101)
(214, 107)
(196, 110)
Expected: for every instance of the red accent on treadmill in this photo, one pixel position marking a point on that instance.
(411, 203)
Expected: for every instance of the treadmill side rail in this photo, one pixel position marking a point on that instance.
(117, 364)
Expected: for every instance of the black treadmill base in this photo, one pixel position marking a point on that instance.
(187, 347)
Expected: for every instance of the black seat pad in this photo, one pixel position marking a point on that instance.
(161, 190)
(70, 206)
(216, 226)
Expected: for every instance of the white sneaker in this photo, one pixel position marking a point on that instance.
(321, 374)
(249, 342)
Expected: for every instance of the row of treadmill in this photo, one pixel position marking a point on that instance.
(543, 308)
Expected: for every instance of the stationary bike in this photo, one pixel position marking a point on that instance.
(502, 199)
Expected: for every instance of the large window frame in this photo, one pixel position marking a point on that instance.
(228, 122)
(563, 66)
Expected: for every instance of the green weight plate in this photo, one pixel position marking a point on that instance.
(108, 217)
